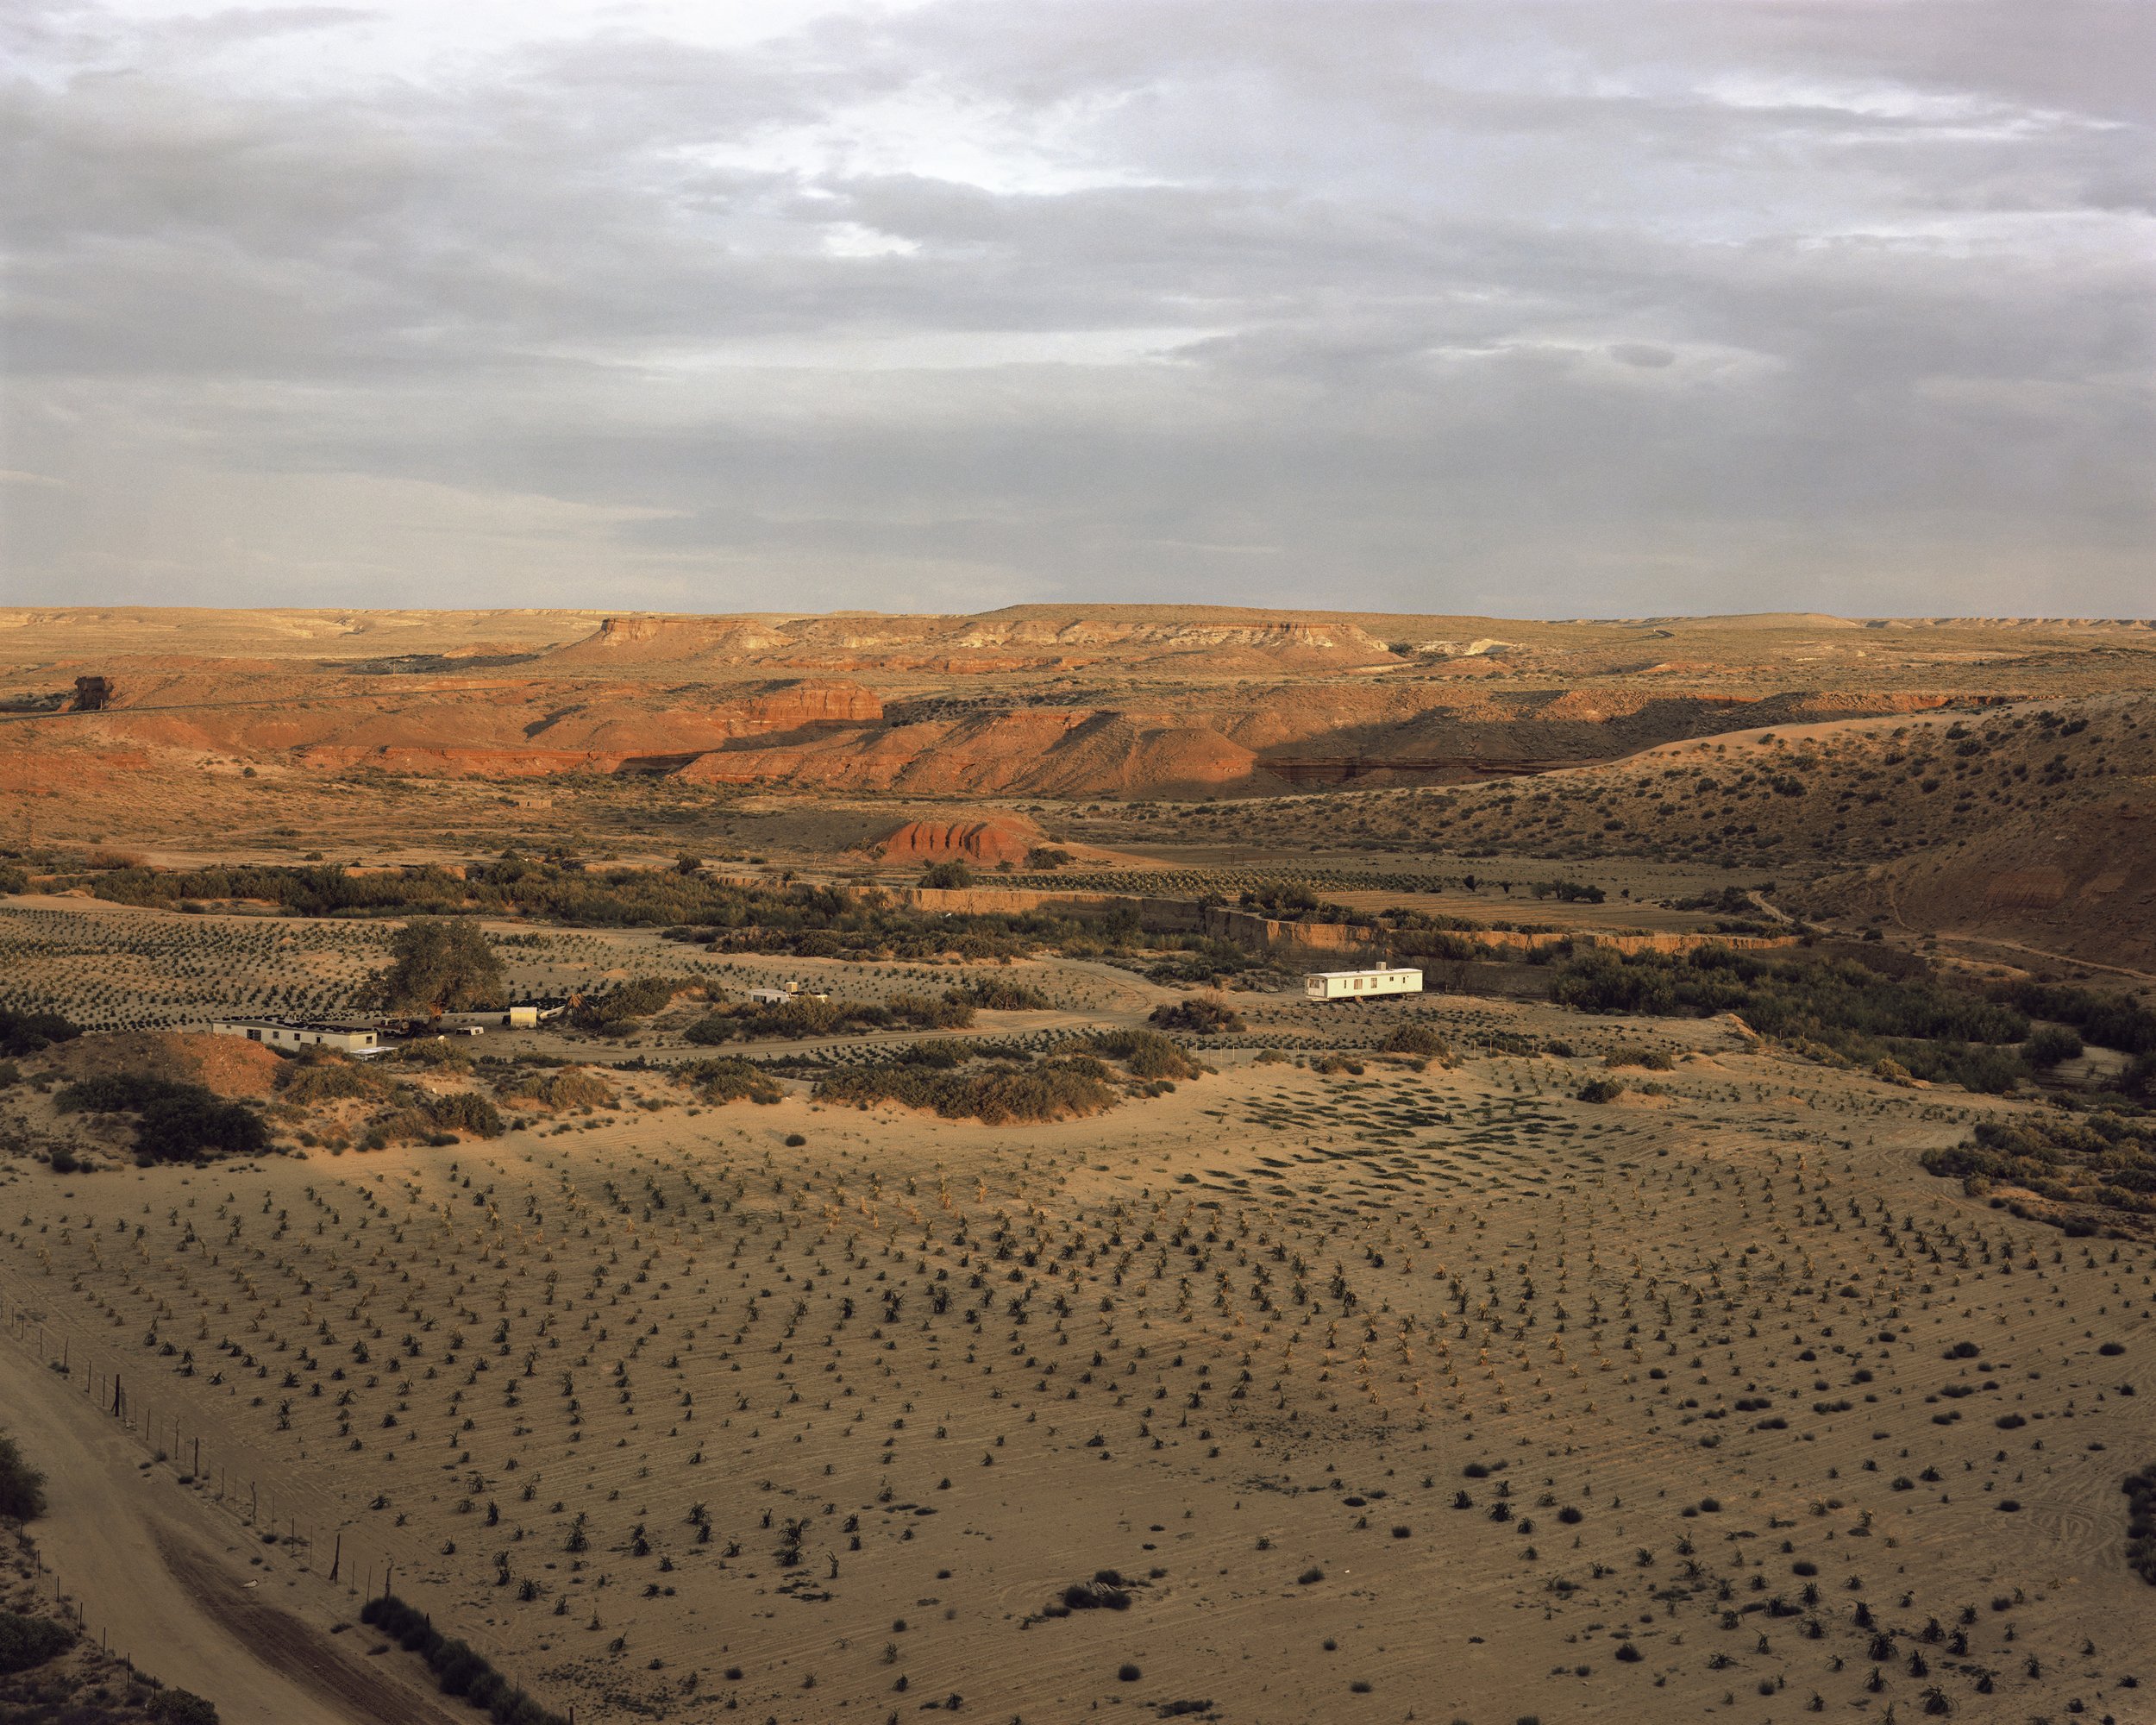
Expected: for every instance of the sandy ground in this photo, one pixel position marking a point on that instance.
(176, 1589)
(1691, 1360)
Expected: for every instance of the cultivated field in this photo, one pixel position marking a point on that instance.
(1443, 1383)
(1049, 1314)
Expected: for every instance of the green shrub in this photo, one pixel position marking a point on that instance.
(2048, 1044)
(1855, 1013)
(190, 1123)
(2141, 1523)
(797, 1020)
(435, 1053)
(570, 1087)
(638, 997)
(2108, 1020)
(181, 1707)
(948, 875)
(1417, 1039)
(2103, 1159)
(458, 1670)
(174, 1122)
(25, 1032)
(1146, 1052)
(316, 1078)
(727, 1081)
(995, 1092)
(997, 994)
(26, 1642)
(464, 1111)
(1602, 1091)
(1199, 1015)
(21, 1486)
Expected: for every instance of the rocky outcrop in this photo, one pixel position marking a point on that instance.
(641, 640)
(1000, 839)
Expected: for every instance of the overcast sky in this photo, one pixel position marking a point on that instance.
(1600, 309)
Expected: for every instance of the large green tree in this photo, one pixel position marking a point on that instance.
(442, 965)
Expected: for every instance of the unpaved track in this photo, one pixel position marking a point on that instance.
(150, 1569)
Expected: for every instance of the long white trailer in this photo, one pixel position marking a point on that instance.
(1362, 984)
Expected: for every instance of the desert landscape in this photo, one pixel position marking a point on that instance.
(836, 1200)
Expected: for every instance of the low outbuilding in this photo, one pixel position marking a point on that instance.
(1362, 984)
(291, 1035)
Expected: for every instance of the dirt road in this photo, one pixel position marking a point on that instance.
(169, 1584)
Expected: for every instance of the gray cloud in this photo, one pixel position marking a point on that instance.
(1513, 307)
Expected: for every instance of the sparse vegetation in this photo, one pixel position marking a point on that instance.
(2099, 1158)
(458, 1670)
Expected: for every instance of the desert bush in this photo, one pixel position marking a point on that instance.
(1199, 1015)
(422, 1118)
(110, 1092)
(727, 1081)
(797, 1019)
(2141, 1523)
(2101, 1158)
(437, 1053)
(1602, 1091)
(26, 1033)
(182, 1707)
(190, 1123)
(1855, 1012)
(1417, 1039)
(464, 1111)
(458, 1670)
(2048, 1044)
(1146, 1052)
(638, 997)
(2108, 1020)
(992, 1091)
(174, 1122)
(316, 1078)
(999, 994)
(1042, 857)
(948, 876)
(26, 1642)
(568, 1087)
(21, 1486)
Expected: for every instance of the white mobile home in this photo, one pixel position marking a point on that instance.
(290, 1036)
(1362, 984)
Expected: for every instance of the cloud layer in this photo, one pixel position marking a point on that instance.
(1590, 307)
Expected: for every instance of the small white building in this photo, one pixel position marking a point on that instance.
(291, 1035)
(792, 991)
(525, 1016)
(1362, 984)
